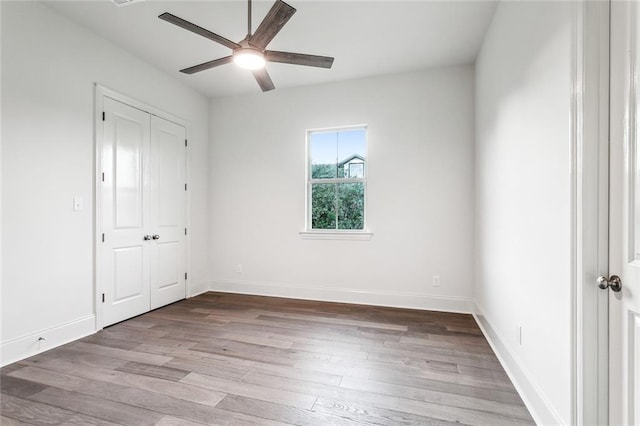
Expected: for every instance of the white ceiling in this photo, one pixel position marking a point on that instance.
(366, 37)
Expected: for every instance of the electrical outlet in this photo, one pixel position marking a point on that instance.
(239, 268)
(436, 280)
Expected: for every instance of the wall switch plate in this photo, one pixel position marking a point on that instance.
(239, 268)
(78, 204)
(436, 280)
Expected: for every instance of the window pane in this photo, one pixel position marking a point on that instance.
(355, 170)
(351, 151)
(323, 206)
(323, 149)
(351, 205)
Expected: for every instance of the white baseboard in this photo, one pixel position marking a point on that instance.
(347, 295)
(25, 346)
(533, 397)
(197, 289)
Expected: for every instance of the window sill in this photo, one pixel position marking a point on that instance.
(336, 235)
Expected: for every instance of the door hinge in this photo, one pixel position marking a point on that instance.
(185, 142)
(103, 176)
(102, 297)
(185, 186)
(103, 116)
(185, 231)
(185, 275)
(103, 238)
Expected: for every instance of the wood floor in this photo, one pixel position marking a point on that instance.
(246, 360)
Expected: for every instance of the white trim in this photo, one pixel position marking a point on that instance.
(577, 138)
(198, 289)
(336, 235)
(28, 345)
(189, 287)
(309, 181)
(1, 210)
(589, 213)
(330, 129)
(539, 406)
(143, 106)
(98, 134)
(347, 295)
(339, 180)
(100, 93)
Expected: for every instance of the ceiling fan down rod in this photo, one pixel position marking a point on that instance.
(249, 20)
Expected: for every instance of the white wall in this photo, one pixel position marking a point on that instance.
(523, 198)
(49, 67)
(419, 196)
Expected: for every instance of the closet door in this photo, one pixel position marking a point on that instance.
(167, 212)
(142, 249)
(124, 254)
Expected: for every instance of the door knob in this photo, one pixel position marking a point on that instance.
(146, 237)
(614, 283)
(156, 237)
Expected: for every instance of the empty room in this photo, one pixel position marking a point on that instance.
(320, 212)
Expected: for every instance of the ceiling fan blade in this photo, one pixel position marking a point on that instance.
(198, 30)
(263, 79)
(271, 24)
(299, 59)
(207, 65)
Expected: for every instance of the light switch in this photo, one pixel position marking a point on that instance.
(78, 204)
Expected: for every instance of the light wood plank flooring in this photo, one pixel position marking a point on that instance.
(246, 360)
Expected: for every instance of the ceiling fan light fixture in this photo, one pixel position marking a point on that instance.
(249, 59)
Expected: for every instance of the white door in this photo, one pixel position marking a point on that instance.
(142, 246)
(124, 253)
(168, 249)
(624, 255)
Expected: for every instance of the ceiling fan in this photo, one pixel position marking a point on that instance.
(251, 52)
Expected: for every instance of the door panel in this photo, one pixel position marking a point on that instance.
(128, 139)
(125, 255)
(168, 265)
(129, 275)
(170, 178)
(624, 306)
(168, 256)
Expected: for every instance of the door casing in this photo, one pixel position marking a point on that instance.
(590, 219)
(624, 261)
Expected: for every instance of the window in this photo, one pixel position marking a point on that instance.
(336, 179)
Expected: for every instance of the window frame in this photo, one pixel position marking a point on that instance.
(348, 234)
